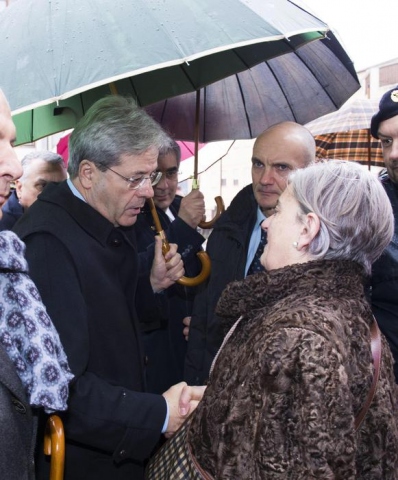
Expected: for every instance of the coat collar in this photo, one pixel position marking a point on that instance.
(89, 220)
(320, 277)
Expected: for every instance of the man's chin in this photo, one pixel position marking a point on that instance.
(162, 204)
(127, 221)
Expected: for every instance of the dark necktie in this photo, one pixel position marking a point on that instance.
(256, 266)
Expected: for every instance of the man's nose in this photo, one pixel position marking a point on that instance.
(266, 176)
(394, 150)
(163, 181)
(146, 190)
(13, 167)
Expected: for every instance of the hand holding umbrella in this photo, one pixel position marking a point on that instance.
(203, 257)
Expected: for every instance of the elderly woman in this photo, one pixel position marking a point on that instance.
(295, 370)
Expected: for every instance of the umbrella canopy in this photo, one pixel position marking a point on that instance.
(52, 50)
(354, 145)
(346, 134)
(356, 114)
(299, 86)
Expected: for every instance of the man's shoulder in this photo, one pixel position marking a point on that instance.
(391, 189)
(242, 207)
(48, 212)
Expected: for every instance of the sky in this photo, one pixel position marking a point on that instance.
(367, 29)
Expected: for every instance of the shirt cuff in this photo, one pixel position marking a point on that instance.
(166, 422)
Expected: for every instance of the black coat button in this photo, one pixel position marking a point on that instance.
(115, 242)
(19, 406)
(146, 360)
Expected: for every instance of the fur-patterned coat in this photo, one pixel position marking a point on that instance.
(286, 388)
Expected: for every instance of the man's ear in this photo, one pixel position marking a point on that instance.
(310, 229)
(87, 171)
(18, 188)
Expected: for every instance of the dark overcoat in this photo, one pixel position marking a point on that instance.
(227, 247)
(384, 284)
(164, 342)
(17, 425)
(86, 271)
(12, 211)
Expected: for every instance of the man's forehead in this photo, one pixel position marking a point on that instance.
(389, 127)
(167, 161)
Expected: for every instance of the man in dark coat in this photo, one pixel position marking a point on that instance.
(384, 291)
(235, 239)
(81, 249)
(18, 426)
(165, 344)
(39, 168)
(12, 211)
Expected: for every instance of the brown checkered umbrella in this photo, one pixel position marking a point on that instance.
(345, 134)
(354, 145)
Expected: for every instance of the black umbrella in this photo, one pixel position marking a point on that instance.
(300, 86)
(316, 79)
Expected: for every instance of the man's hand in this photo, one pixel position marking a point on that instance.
(192, 208)
(187, 322)
(182, 400)
(165, 270)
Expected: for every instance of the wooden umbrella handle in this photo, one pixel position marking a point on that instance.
(54, 445)
(203, 257)
(220, 209)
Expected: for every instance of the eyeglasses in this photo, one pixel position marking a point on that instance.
(134, 183)
(170, 174)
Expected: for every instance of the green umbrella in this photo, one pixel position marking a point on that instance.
(58, 57)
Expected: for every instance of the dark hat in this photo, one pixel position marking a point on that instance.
(388, 108)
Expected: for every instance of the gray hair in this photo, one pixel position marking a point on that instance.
(44, 155)
(172, 148)
(112, 127)
(356, 218)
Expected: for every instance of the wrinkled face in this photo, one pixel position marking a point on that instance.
(388, 135)
(165, 190)
(275, 156)
(283, 229)
(110, 195)
(36, 176)
(10, 166)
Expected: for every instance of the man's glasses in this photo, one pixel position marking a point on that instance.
(134, 183)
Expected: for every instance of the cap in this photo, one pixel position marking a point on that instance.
(388, 108)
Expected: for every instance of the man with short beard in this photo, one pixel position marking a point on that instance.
(384, 284)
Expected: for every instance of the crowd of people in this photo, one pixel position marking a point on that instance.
(267, 370)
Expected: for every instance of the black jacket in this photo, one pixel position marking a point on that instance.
(165, 345)
(17, 425)
(384, 285)
(227, 247)
(86, 271)
(12, 211)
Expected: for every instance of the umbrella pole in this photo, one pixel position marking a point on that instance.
(195, 184)
(369, 153)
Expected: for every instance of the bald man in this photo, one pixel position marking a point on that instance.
(237, 241)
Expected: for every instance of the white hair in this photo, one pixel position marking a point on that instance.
(357, 221)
